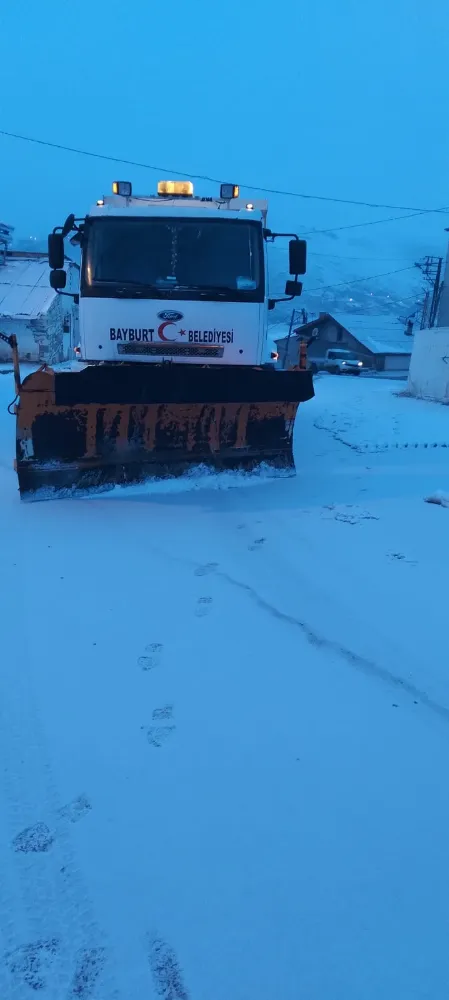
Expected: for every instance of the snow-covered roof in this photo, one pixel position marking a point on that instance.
(276, 331)
(379, 334)
(25, 287)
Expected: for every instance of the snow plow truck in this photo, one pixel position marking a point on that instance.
(173, 370)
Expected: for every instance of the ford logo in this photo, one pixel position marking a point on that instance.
(170, 315)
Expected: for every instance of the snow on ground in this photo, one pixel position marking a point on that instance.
(225, 726)
(386, 423)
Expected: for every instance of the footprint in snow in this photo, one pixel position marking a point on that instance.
(89, 964)
(166, 971)
(31, 963)
(38, 838)
(203, 606)
(206, 569)
(166, 712)
(399, 557)
(257, 544)
(76, 809)
(158, 735)
(153, 656)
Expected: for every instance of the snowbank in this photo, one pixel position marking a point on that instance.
(429, 365)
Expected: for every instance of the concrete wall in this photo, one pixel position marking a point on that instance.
(428, 376)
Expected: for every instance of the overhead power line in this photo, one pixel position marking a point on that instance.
(354, 281)
(371, 222)
(215, 180)
(341, 256)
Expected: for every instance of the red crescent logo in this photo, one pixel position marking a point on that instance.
(161, 329)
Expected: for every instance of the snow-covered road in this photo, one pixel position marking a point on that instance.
(224, 728)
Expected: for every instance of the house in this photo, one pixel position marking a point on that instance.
(379, 341)
(44, 322)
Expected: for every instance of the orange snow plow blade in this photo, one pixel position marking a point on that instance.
(99, 425)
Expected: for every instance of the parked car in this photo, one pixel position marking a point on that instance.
(338, 362)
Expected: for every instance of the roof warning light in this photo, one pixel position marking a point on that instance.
(175, 189)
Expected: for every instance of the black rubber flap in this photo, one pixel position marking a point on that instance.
(177, 383)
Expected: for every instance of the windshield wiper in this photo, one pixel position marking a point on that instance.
(138, 288)
(203, 289)
(135, 288)
(206, 288)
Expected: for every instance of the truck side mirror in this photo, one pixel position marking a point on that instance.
(297, 250)
(58, 279)
(293, 289)
(68, 225)
(56, 251)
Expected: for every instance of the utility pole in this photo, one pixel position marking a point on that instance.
(431, 268)
(443, 305)
(287, 343)
(424, 310)
(298, 316)
(436, 294)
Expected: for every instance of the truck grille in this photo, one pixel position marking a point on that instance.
(173, 350)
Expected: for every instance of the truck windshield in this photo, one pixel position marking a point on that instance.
(174, 258)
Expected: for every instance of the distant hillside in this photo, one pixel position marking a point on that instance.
(38, 244)
(368, 264)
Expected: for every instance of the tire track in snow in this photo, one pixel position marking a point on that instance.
(50, 938)
(361, 663)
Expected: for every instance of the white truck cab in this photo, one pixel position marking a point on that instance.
(172, 276)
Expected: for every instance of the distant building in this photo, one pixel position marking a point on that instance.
(379, 341)
(44, 322)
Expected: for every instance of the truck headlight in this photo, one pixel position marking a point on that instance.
(228, 191)
(123, 188)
